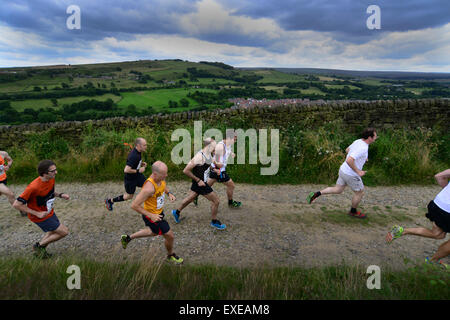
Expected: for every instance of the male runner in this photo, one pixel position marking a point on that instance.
(133, 173)
(198, 170)
(218, 172)
(3, 179)
(438, 213)
(152, 196)
(350, 172)
(37, 201)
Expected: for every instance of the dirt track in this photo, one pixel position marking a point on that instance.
(274, 227)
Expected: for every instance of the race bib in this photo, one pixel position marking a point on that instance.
(50, 205)
(160, 201)
(206, 175)
(2, 169)
(139, 165)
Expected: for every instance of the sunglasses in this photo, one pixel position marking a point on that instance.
(52, 170)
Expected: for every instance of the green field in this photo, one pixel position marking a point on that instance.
(44, 103)
(158, 99)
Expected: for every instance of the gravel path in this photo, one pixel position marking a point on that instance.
(274, 227)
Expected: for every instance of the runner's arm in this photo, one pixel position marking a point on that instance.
(146, 192)
(443, 177)
(170, 194)
(62, 195)
(351, 162)
(23, 207)
(128, 169)
(188, 169)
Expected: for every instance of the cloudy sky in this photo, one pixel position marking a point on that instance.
(414, 35)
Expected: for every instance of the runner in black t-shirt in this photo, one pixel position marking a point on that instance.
(133, 173)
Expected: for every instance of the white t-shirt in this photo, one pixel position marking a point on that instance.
(359, 150)
(224, 157)
(442, 200)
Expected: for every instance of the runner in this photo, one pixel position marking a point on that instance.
(198, 170)
(133, 173)
(218, 172)
(350, 172)
(3, 179)
(152, 196)
(37, 201)
(439, 214)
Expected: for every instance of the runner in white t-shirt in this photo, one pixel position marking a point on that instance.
(439, 214)
(351, 171)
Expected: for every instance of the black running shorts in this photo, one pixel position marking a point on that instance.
(160, 227)
(440, 217)
(201, 190)
(131, 184)
(223, 177)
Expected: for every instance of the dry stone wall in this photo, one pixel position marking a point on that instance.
(355, 115)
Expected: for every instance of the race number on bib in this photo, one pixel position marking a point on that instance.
(50, 205)
(160, 201)
(2, 169)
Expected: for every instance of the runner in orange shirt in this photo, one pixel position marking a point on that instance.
(152, 196)
(37, 201)
(3, 179)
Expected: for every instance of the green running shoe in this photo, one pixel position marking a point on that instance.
(125, 240)
(396, 232)
(235, 204)
(311, 197)
(196, 201)
(173, 258)
(40, 252)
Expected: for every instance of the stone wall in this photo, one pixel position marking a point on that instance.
(379, 114)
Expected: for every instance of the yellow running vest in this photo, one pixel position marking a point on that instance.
(155, 203)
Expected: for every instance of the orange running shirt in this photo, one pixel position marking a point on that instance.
(39, 196)
(2, 169)
(155, 203)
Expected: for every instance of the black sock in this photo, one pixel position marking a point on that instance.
(117, 199)
(178, 212)
(230, 201)
(318, 194)
(214, 221)
(353, 210)
(128, 238)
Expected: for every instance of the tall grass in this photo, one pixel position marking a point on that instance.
(150, 278)
(307, 155)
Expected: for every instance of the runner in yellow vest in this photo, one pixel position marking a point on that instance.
(149, 203)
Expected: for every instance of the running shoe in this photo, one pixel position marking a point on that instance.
(124, 240)
(108, 205)
(396, 232)
(311, 197)
(23, 213)
(218, 225)
(40, 252)
(196, 201)
(357, 214)
(176, 216)
(437, 263)
(235, 204)
(173, 258)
